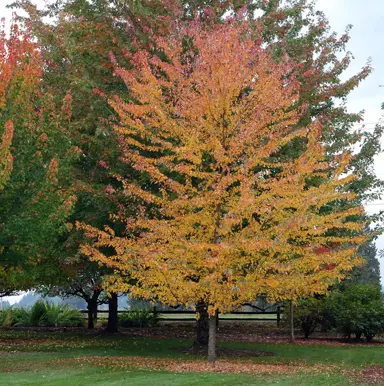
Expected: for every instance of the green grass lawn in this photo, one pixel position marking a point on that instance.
(70, 359)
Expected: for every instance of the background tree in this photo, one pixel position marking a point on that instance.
(369, 273)
(75, 50)
(82, 280)
(6, 283)
(37, 198)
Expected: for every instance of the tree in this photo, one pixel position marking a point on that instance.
(369, 273)
(75, 52)
(36, 195)
(113, 320)
(6, 162)
(77, 47)
(224, 220)
(83, 280)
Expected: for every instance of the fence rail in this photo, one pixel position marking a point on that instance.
(188, 315)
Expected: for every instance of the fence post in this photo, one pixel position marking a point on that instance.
(278, 316)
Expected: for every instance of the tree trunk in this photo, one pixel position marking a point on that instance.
(91, 324)
(369, 337)
(202, 325)
(92, 311)
(212, 339)
(292, 331)
(112, 325)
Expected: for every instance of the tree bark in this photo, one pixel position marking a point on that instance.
(212, 339)
(291, 324)
(91, 324)
(112, 325)
(95, 315)
(202, 325)
(92, 312)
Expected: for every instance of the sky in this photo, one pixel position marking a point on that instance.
(367, 19)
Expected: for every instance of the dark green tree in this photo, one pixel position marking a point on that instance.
(369, 273)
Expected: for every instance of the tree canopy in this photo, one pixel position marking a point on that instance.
(223, 217)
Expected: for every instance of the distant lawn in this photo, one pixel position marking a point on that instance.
(34, 358)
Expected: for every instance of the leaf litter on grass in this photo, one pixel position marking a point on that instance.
(202, 366)
(373, 375)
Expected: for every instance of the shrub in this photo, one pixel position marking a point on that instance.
(358, 310)
(139, 318)
(6, 316)
(41, 314)
(37, 313)
(22, 317)
(309, 315)
(355, 310)
(57, 315)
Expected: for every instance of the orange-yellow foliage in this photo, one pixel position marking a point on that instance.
(19, 69)
(20, 63)
(234, 220)
(6, 158)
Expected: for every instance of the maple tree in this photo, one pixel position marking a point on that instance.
(223, 220)
(75, 52)
(76, 57)
(7, 284)
(36, 195)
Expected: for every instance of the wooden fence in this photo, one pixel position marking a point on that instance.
(258, 315)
